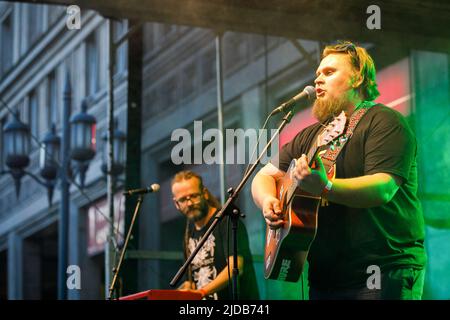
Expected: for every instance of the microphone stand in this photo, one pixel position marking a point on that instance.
(116, 269)
(230, 209)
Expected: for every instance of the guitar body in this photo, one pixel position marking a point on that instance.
(287, 247)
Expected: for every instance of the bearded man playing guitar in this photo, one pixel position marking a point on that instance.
(369, 217)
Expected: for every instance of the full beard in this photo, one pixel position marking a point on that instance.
(197, 212)
(325, 109)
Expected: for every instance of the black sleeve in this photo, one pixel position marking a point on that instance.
(296, 147)
(390, 145)
(283, 159)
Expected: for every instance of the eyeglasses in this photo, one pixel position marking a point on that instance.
(194, 198)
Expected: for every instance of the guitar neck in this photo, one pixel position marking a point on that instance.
(312, 154)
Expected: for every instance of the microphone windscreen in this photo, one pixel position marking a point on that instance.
(155, 187)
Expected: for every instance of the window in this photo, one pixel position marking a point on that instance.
(6, 40)
(92, 65)
(208, 66)
(120, 28)
(2, 143)
(170, 89)
(148, 37)
(54, 12)
(33, 116)
(235, 51)
(188, 83)
(257, 44)
(35, 22)
(52, 101)
(165, 31)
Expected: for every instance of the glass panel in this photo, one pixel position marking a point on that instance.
(26, 143)
(79, 139)
(18, 148)
(117, 151)
(93, 137)
(86, 136)
(73, 135)
(9, 143)
(55, 153)
(43, 156)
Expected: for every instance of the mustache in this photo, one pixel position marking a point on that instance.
(194, 207)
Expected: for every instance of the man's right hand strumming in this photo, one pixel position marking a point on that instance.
(272, 212)
(263, 192)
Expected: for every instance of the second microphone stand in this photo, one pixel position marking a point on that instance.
(116, 269)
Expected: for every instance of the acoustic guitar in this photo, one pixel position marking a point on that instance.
(287, 247)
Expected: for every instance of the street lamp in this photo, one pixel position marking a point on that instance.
(49, 157)
(83, 140)
(119, 153)
(78, 143)
(17, 142)
(49, 160)
(17, 147)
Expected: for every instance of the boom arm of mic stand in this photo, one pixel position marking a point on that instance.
(229, 204)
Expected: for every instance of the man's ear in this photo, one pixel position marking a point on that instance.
(176, 204)
(205, 193)
(357, 80)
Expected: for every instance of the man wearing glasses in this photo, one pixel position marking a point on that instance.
(372, 218)
(208, 272)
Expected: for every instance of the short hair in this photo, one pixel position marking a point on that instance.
(187, 175)
(362, 62)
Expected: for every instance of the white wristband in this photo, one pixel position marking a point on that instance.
(327, 187)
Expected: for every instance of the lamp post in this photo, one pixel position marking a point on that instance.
(54, 149)
(83, 150)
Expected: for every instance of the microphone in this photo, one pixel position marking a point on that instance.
(153, 188)
(309, 93)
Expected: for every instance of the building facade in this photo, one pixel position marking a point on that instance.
(37, 51)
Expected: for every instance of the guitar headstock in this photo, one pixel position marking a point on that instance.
(333, 130)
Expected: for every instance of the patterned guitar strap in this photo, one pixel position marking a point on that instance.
(330, 155)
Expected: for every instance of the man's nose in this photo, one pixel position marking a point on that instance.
(318, 80)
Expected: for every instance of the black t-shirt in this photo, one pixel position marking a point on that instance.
(349, 240)
(211, 260)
